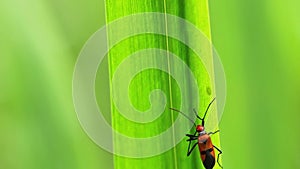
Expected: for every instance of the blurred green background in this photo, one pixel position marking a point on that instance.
(258, 42)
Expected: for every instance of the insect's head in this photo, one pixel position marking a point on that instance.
(199, 128)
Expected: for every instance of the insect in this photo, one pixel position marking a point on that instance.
(206, 148)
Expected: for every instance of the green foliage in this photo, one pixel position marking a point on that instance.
(195, 12)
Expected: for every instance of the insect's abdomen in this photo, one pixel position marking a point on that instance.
(207, 153)
(209, 161)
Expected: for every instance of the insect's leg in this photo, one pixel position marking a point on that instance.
(213, 132)
(192, 136)
(220, 152)
(190, 150)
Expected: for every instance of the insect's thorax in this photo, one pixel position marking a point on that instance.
(202, 138)
(202, 133)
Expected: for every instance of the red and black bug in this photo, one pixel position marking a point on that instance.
(206, 148)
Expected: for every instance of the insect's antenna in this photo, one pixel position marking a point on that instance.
(207, 111)
(184, 115)
(202, 119)
(197, 114)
